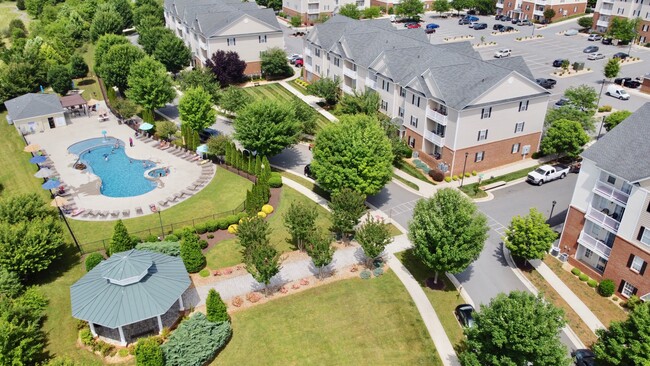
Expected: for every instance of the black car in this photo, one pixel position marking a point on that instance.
(621, 55)
(479, 26)
(606, 41)
(590, 49)
(584, 357)
(508, 29)
(506, 19)
(627, 82)
(498, 27)
(464, 315)
(308, 172)
(546, 83)
(499, 17)
(562, 103)
(558, 62)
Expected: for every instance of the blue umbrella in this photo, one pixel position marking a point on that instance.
(37, 159)
(51, 184)
(146, 126)
(202, 149)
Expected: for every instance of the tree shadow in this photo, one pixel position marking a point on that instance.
(69, 259)
(425, 275)
(86, 82)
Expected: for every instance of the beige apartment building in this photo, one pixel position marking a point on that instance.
(454, 108)
(310, 10)
(608, 9)
(533, 10)
(207, 26)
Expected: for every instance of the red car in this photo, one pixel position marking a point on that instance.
(299, 63)
(413, 25)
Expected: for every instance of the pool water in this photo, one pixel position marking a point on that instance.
(121, 176)
(158, 172)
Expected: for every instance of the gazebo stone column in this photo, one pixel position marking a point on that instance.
(122, 338)
(181, 307)
(160, 324)
(92, 329)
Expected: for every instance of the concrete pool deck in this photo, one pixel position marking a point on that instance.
(84, 186)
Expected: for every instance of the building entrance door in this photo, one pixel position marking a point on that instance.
(50, 120)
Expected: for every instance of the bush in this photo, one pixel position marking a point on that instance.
(275, 181)
(437, 175)
(163, 247)
(216, 309)
(103, 348)
(606, 288)
(86, 337)
(467, 174)
(196, 341)
(191, 254)
(232, 219)
(633, 302)
(365, 274)
(92, 260)
(20, 4)
(261, 214)
(232, 229)
(210, 236)
(605, 108)
(454, 178)
(123, 352)
(149, 353)
(203, 243)
(615, 298)
(592, 283)
(211, 226)
(267, 209)
(151, 238)
(576, 272)
(200, 229)
(378, 271)
(447, 179)
(204, 273)
(583, 277)
(474, 173)
(223, 224)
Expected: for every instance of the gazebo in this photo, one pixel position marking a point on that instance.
(130, 295)
(74, 103)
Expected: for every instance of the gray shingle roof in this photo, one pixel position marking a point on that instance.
(97, 298)
(624, 150)
(33, 105)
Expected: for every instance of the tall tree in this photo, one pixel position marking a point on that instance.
(410, 8)
(516, 329)
(260, 257)
(22, 340)
(10, 285)
(106, 21)
(529, 237)
(347, 207)
(275, 63)
(300, 221)
(148, 352)
(615, 119)
(626, 343)
(195, 109)
(460, 5)
(149, 84)
(564, 137)
(149, 37)
(320, 250)
(586, 22)
(447, 231)
(217, 145)
(121, 240)
(152, 9)
(59, 79)
(612, 67)
(172, 52)
(266, 126)
(216, 310)
(305, 115)
(78, 67)
(624, 29)
(371, 12)
(104, 43)
(441, 6)
(583, 97)
(350, 10)
(485, 7)
(354, 153)
(326, 88)
(360, 103)
(191, 254)
(234, 99)
(227, 66)
(549, 14)
(373, 236)
(124, 9)
(116, 66)
(571, 113)
(202, 77)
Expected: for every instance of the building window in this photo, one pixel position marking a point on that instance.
(486, 113)
(317, 68)
(337, 62)
(644, 236)
(400, 112)
(637, 264)
(523, 106)
(385, 85)
(519, 127)
(402, 92)
(317, 52)
(628, 290)
(482, 135)
(611, 179)
(588, 253)
(645, 27)
(515, 148)
(231, 41)
(262, 39)
(415, 100)
(384, 105)
(414, 122)
(479, 156)
(411, 142)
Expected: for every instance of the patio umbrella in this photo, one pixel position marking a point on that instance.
(58, 201)
(51, 184)
(44, 173)
(146, 126)
(202, 149)
(32, 148)
(37, 159)
(92, 102)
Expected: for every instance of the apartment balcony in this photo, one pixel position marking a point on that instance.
(436, 116)
(370, 83)
(313, 1)
(602, 23)
(309, 68)
(601, 219)
(432, 137)
(604, 11)
(307, 51)
(594, 245)
(608, 1)
(539, 13)
(540, 2)
(203, 45)
(499, 5)
(313, 10)
(347, 89)
(349, 73)
(613, 194)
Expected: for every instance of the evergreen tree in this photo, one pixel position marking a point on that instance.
(121, 240)
(191, 254)
(216, 309)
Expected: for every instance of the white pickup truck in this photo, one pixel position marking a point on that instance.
(547, 173)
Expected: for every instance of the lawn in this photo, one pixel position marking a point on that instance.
(279, 93)
(225, 192)
(406, 182)
(444, 302)
(349, 322)
(412, 171)
(473, 191)
(228, 252)
(298, 87)
(9, 12)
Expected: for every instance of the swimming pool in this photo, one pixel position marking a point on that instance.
(121, 176)
(158, 172)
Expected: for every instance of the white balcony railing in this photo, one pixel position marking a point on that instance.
(594, 245)
(307, 51)
(538, 13)
(608, 1)
(601, 219)
(436, 116)
(608, 191)
(370, 83)
(500, 5)
(313, 10)
(430, 136)
(602, 23)
(348, 89)
(349, 73)
(604, 11)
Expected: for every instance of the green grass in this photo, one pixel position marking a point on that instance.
(307, 184)
(443, 301)
(279, 93)
(228, 252)
(394, 231)
(412, 171)
(407, 182)
(225, 192)
(349, 322)
(298, 87)
(9, 12)
(473, 191)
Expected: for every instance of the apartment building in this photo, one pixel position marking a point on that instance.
(310, 10)
(453, 107)
(207, 26)
(607, 228)
(534, 10)
(608, 9)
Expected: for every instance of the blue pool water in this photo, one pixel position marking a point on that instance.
(121, 176)
(158, 172)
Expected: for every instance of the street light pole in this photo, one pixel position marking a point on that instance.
(602, 122)
(462, 179)
(162, 231)
(552, 207)
(602, 85)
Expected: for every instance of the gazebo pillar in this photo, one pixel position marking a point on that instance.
(92, 329)
(160, 325)
(122, 339)
(181, 307)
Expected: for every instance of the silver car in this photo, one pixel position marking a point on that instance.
(595, 56)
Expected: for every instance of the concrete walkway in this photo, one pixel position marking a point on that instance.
(311, 100)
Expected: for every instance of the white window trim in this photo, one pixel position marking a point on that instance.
(638, 262)
(630, 291)
(645, 238)
(515, 148)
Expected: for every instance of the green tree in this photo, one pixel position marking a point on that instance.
(227, 66)
(253, 231)
(150, 86)
(564, 137)
(529, 237)
(78, 67)
(366, 103)
(148, 352)
(121, 240)
(172, 52)
(350, 10)
(195, 109)
(625, 343)
(516, 329)
(92, 260)
(104, 43)
(149, 37)
(260, 257)
(372, 12)
(234, 99)
(624, 29)
(106, 21)
(300, 221)
(191, 254)
(124, 9)
(447, 231)
(305, 115)
(612, 67)
(485, 7)
(570, 113)
(217, 145)
(295, 21)
(146, 11)
(275, 63)
(116, 66)
(410, 9)
(202, 77)
(267, 126)
(373, 236)
(549, 14)
(10, 285)
(59, 79)
(24, 207)
(582, 97)
(125, 108)
(586, 22)
(22, 341)
(165, 129)
(347, 207)
(320, 250)
(216, 310)
(326, 88)
(615, 119)
(460, 5)
(354, 153)
(441, 6)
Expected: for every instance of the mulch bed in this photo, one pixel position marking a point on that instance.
(435, 286)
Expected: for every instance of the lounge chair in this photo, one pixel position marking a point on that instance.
(187, 193)
(138, 210)
(192, 187)
(163, 203)
(103, 213)
(115, 213)
(171, 199)
(77, 212)
(203, 162)
(126, 212)
(178, 195)
(90, 213)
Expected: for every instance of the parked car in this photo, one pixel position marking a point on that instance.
(617, 92)
(621, 55)
(546, 83)
(464, 21)
(506, 18)
(471, 18)
(627, 82)
(547, 173)
(558, 62)
(429, 31)
(595, 56)
(563, 102)
(464, 315)
(514, 21)
(504, 52)
(508, 29)
(497, 27)
(524, 22)
(299, 62)
(479, 26)
(499, 17)
(594, 37)
(606, 41)
(571, 32)
(590, 49)
(293, 58)
(413, 25)
(584, 357)
(432, 26)
(392, 18)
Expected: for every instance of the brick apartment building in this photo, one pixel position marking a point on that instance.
(310, 10)
(534, 9)
(607, 9)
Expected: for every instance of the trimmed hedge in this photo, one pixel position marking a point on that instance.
(163, 247)
(606, 288)
(208, 226)
(92, 260)
(592, 283)
(216, 309)
(583, 277)
(196, 341)
(149, 353)
(576, 272)
(275, 180)
(437, 175)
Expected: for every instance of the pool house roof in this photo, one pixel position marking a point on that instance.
(33, 105)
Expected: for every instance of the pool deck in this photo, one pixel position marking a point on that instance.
(84, 186)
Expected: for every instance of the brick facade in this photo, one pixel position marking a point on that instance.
(508, 7)
(617, 267)
(645, 85)
(575, 221)
(527, 8)
(419, 140)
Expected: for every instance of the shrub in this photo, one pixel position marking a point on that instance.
(92, 260)
(203, 243)
(172, 237)
(210, 236)
(267, 209)
(576, 272)
(103, 348)
(275, 181)
(196, 341)
(151, 238)
(447, 179)
(232, 219)
(474, 173)
(149, 353)
(437, 175)
(633, 302)
(454, 178)
(605, 108)
(606, 287)
(163, 247)
(204, 273)
(615, 298)
(20, 4)
(365, 274)
(583, 277)
(200, 229)
(86, 337)
(467, 174)
(216, 309)
(191, 254)
(232, 229)
(378, 271)
(592, 283)
(261, 214)
(211, 226)
(223, 224)
(123, 352)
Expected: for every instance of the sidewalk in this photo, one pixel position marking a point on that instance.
(311, 100)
